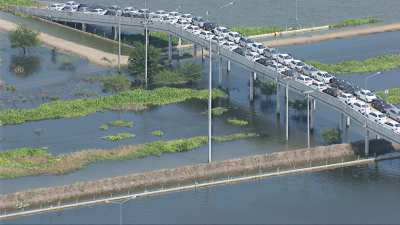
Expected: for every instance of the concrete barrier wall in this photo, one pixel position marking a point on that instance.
(135, 183)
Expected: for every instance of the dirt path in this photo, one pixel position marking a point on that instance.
(93, 55)
(333, 35)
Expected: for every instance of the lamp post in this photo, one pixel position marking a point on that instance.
(146, 46)
(121, 203)
(369, 77)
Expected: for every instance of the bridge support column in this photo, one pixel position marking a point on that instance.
(219, 70)
(366, 146)
(278, 102)
(308, 121)
(180, 47)
(202, 54)
(194, 50)
(251, 86)
(169, 49)
(210, 104)
(84, 27)
(312, 114)
(348, 121)
(115, 33)
(228, 66)
(287, 112)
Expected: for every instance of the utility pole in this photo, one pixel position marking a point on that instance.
(210, 105)
(119, 43)
(146, 47)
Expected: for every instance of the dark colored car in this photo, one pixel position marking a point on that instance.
(342, 85)
(265, 62)
(240, 51)
(198, 21)
(331, 91)
(289, 73)
(380, 105)
(394, 113)
(209, 26)
(244, 41)
(268, 52)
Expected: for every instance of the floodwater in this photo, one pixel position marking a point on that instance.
(366, 194)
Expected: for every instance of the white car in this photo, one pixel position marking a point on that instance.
(193, 29)
(253, 56)
(218, 39)
(57, 6)
(234, 37)
(346, 98)
(221, 31)
(98, 11)
(278, 67)
(187, 17)
(296, 64)
(365, 95)
(284, 58)
(206, 34)
(305, 80)
(360, 107)
(257, 47)
(393, 125)
(72, 4)
(322, 76)
(182, 23)
(174, 15)
(161, 13)
(318, 85)
(230, 45)
(377, 117)
(69, 9)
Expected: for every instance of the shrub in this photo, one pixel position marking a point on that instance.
(237, 122)
(355, 22)
(119, 137)
(158, 133)
(24, 38)
(331, 136)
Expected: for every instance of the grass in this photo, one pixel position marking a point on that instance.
(156, 39)
(138, 99)
(30, 162)
(256, 30)
(393, 96)
(158, 133)
(355, 22)
(121, 123)
(104, 127)
(374, 64)
(119, 137)
(217, 111)
(186, 74)
(113, 83)
(237, 122)
(331, 136)
(6, 3)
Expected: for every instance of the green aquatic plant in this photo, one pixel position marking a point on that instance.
(392, 97)
(119, 137)
(237, 122)
(137, 99)
(256, 30)
(36, 161)
(158, 133)
(217, 111)
(104, 127)
(355, 22)
(121, 123)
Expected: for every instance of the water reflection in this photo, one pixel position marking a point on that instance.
(24, 65)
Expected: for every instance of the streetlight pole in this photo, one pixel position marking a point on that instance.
(297, 13)
(210, 104)
(119, 43)
(370, 76)
(146, 46)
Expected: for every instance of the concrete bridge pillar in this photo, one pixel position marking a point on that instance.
(169, 49)
(194, 50)
(278, 102)
(114, 33)
(202, 54)
(287, 112)
(348, 121)
(228, 66)
(366, 147)
(312, 114)
(180, 47)
(84, 27)
(251, 86)
(308, 121)
(219, 70)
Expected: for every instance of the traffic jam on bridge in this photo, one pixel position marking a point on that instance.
(361, 100)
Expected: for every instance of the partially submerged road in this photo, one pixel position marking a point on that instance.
(93, 55)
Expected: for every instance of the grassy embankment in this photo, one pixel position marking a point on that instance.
(134, 100)
(5, 3)
(38, 161)
(256, 30)
(374, 64)
(355, 22)
(393, 97)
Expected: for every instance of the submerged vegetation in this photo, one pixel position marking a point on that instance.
(374, 64)
(257, 30)
(188, 73)
(217, 111)
(355, 22)
(268, 88)
(138, 99)
(299, 105)
(113, 83)
(119, 137)
(237, 122)
(393, 97)
(158, 133)
(37, 161)
(121, 123)
(331, 136)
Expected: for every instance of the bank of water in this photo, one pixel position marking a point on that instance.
(356, 195)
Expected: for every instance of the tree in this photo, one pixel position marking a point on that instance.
(191, 71)
(331, 136)
(24, 38)
(136, 64)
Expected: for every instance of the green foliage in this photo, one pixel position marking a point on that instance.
(112, 83)
(119, 137)
(375, 64)
(26, 161)
(6, 3)
(300, 105)
(268, 88)
(130, 100)
(355, 22)
(217, 111)
(331, 136)
(121, 123)
(188, 73)
(104, 127)
(136, 63)
(393, 96)
(24, 38)
(237, 122)
(158, 133)
(10, 88)
(156, 39)
(256, 30)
